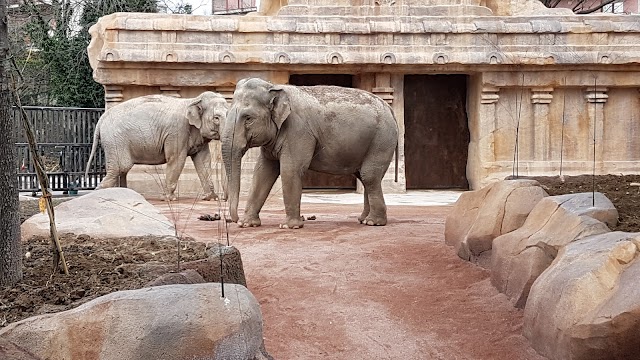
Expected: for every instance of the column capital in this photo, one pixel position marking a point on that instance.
(541, 95)
(385, 93)
(490, 94)
(597, 94)
(170, 91)
(112, 95)
(226, 91)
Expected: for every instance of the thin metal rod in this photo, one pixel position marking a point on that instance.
(595, 124)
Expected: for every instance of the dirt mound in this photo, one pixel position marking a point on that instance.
(96, 267)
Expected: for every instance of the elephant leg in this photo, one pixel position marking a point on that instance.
(375, 208)
(265, 174)
(175, 164)
(118, 165)
(366, 209)
(292, 194)
(202, 163)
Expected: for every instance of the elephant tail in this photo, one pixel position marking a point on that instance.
(96, 138)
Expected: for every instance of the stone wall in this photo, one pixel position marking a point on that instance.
(554, 78)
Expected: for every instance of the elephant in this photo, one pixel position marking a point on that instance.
(329, 129)
(159, 129)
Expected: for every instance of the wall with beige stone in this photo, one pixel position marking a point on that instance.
(529, 68)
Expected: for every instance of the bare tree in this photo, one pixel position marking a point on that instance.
(10, 251)
(580, 6)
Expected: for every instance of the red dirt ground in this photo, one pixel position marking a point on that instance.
(340, 290)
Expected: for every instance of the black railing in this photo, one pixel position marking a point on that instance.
(64, 137)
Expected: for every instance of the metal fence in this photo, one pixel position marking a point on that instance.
(64, 137)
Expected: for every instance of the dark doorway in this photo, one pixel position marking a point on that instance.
(313, 179)
(436, 131)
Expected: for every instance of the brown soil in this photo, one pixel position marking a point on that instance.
(332, 290)
(95, 269)
(623, 191)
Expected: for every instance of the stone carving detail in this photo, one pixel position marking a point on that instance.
(495, 58)
(597, 95)
(605, 59)
(440, 58)
(490, 95)
(282, 58)
(388, 58)
(226, 57)
(335, 58)
(385, 2)
(170, 57)
(112, 95)
(170, 91)
(111, 55)
(541, 95)
(385, 93)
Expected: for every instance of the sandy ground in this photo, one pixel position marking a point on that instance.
(340, 290)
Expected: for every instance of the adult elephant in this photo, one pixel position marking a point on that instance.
(328, 129)
(158, 129)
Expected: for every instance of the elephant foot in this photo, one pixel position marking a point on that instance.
(250, 222)
(210, 196)
(371, 221)
(293, 224)
(171, 197)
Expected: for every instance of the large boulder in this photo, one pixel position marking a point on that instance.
(519, 257)
(586, 305)
(11, 351)
(480, 216)
(112, 212)
(163, 322)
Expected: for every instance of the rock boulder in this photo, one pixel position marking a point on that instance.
(112, 212)
(163, 322)
(519, 257)
(586, 305)
(480, 216)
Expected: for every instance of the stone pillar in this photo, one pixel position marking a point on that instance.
(383, 87)
(393, 180)
(596, 98)
(112, 95)
(487, 124)
(541, 98)
(170, 91)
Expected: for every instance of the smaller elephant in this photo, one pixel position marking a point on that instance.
(159, 129)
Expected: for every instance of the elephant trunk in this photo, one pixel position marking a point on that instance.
(233, 148)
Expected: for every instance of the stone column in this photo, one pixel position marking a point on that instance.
(541, 98)
(170, 91)
(383, 87)
(487, 124)
(112, 95)
(393, 179)
(596, 98)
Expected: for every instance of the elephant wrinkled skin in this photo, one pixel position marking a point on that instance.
(328, 129)
(159, 129)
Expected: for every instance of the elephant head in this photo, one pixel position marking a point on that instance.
(257, 113)
(207, 113)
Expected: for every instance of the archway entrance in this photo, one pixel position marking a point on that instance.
(313, 179)
(436, 131)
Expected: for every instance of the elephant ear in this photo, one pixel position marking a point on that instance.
(194, 112)
(280, 107)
